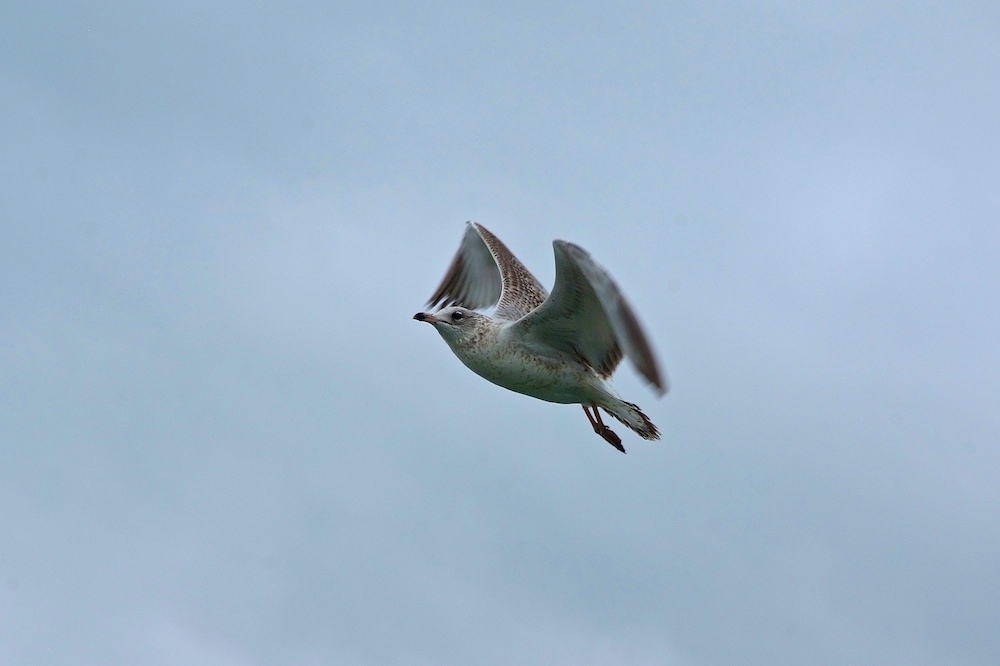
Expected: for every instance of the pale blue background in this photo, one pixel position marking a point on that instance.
(224, 441)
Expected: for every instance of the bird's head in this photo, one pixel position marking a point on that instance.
(455, 324)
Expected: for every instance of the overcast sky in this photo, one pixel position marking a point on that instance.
(224, 441)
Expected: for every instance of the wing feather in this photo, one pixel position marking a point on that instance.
(588, 317)
(485, 273)
(473, 279)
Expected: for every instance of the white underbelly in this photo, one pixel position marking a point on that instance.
(540, 377)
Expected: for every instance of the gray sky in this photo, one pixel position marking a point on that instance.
(223, 440)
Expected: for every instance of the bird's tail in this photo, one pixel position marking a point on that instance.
(632, 416)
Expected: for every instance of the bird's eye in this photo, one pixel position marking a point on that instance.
(457, 316)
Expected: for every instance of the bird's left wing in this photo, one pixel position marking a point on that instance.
(587, 317)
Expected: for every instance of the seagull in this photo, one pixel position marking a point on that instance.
(562, 347)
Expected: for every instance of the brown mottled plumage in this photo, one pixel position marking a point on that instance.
(560, 347)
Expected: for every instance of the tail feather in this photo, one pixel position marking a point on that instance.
(632, 416)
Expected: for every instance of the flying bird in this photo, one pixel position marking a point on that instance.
(560, 347)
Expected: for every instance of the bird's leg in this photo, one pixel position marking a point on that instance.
(604, 431)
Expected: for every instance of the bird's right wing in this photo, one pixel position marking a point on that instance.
(485, 273)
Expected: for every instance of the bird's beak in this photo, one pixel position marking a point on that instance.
(426, 316)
